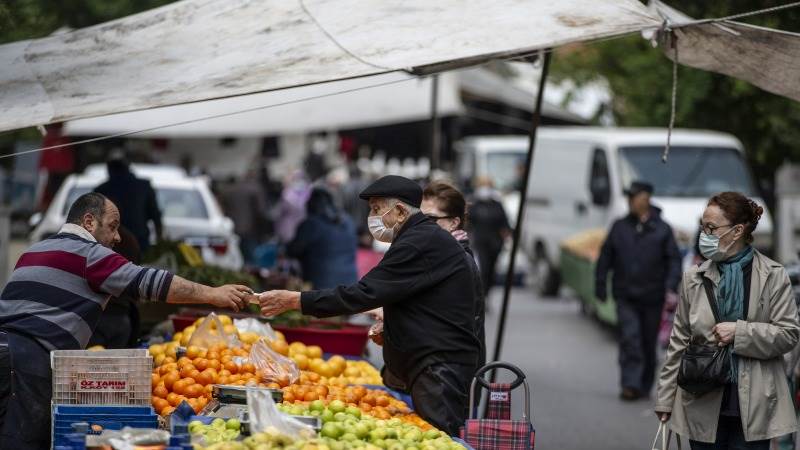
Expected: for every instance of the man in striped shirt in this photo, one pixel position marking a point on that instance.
(54, 299)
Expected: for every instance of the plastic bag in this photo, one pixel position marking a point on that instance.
(273, 366)
(211, 332)
(265, 418)
(133, 438)
(253, 325)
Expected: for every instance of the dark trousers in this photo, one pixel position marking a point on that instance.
(638, 334)
(440, 394)
(487, 262)
(730, 436)
(25, 393)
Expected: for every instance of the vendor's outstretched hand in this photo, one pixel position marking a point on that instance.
(277, 302)
(232, 296)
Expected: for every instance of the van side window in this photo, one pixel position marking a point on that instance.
(600, 182)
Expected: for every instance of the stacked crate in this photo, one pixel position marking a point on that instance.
(108, 389)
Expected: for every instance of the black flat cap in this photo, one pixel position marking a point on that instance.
(637, 187)
(394, 186)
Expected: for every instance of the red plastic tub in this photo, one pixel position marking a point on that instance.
(346, 339)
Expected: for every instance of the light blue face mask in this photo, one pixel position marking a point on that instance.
(709, 246)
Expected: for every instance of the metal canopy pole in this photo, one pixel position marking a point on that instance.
(535, 122)
(435, 135)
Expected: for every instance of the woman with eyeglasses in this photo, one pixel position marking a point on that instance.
(757, 322)
(446, 205)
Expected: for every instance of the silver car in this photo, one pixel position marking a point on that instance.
(190, 212)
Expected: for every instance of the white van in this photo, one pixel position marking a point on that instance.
(579, 174)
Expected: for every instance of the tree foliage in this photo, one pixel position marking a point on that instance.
(640, 78)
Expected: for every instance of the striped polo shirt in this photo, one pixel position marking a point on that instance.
(61, 285)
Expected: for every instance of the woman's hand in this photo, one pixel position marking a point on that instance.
(663, 416)
(724, 332)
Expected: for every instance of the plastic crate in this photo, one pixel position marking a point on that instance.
(107, 417)
(106, 377)
(346, 339)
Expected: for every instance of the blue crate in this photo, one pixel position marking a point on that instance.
(108, 417)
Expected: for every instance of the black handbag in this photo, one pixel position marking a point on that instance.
(705, 367)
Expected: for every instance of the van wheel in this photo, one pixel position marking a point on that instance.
(544, 277)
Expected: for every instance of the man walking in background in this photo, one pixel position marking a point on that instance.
(641, 253)
(135, 198)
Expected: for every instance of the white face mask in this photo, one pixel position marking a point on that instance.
(378, 229)
(709, 246)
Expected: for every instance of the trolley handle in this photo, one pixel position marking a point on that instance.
(500, 365)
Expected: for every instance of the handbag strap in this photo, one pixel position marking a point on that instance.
(712, 301)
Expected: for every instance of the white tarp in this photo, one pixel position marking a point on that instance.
(403, 101)
(396, 97)
(765, 57)
(196, 50)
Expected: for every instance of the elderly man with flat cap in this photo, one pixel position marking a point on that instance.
(425, 285)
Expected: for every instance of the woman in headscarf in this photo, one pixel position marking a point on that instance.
(758, 323)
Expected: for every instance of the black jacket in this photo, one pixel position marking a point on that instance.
(643, 257)
(487, 221)
(425, 285)
(136, 200)
(480, 304)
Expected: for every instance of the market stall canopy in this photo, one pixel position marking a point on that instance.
(765, 57)
(395, 97)
(205, 49)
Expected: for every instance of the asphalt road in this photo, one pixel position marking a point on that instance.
(570, 361)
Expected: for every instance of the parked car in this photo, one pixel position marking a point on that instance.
(579, 174)
(190, 212)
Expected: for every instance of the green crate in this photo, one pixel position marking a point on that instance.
(578, 273)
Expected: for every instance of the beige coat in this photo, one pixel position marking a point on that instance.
(771, 329)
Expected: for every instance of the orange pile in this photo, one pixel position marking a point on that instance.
(377, 403)
(191, 377)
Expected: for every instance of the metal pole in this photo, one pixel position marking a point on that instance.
(535, 121)
(435, 135)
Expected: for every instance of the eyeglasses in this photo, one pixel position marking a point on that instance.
(432, 217)
(710, 229)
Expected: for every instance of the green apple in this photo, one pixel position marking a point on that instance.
(377, 434)
(332, 430)
(233, 424)
(361, 430)
(218, 424)
(413, 435)
(431, 434)
(337, 406)
(317, 405)
(353, 411)
(340, 417)
(196, 426)
(349, 437)
(326, 416)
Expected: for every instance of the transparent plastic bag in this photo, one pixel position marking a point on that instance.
(273, 366)
(133, 438)
(265, 418)
(253, 325)
(211, 332)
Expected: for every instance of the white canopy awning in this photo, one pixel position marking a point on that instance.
(206, 49)
(396, 97)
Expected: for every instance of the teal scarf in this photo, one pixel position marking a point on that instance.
(730, 294)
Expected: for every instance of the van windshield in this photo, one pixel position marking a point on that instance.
(175, 203)
(690, 171)
(504, 168)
